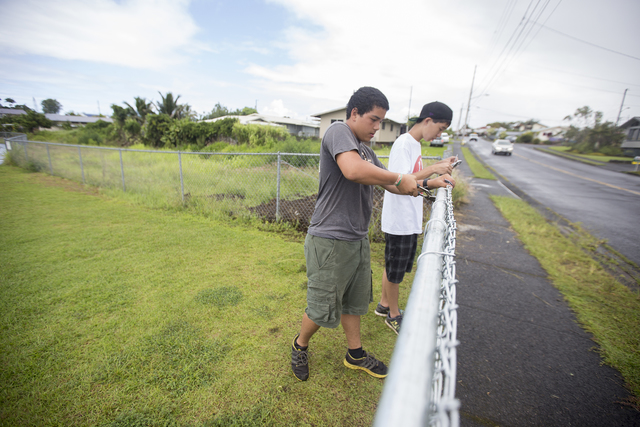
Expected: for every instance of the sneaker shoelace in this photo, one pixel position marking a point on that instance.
(301, 358)
(369, 362)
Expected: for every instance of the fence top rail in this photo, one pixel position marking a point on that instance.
(210, 153)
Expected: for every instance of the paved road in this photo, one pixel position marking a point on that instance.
(523, 360)
(605, 202)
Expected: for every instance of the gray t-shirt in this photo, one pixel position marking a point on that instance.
(343, 208)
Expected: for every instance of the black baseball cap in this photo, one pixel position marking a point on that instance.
(437, 111)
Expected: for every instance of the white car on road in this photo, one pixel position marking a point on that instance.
(502, 146)
(445, 138)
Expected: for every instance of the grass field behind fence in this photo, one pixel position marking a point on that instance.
(119, 315)
(227, 184)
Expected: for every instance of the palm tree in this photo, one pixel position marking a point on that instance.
(141, 110)
(170, 106)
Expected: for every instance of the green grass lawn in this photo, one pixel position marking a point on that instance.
(478, 170)
(114, 314)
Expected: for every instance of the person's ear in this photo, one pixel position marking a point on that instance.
(354, 111)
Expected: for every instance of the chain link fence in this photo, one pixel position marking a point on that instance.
(272, 186)
(420, 387)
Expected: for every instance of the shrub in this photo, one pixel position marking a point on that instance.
(259, 135)
(525, 137)
(536, 140)
(611, 151)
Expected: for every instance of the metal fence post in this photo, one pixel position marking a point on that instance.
(49, 156)
(81, 166)
(278, 190)
(122, 171)
(181, 180)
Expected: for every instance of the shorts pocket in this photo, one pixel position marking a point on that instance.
(322, 252)
(321, 304)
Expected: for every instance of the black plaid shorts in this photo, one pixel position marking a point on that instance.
(399, 253)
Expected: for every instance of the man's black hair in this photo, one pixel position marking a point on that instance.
(366, 99)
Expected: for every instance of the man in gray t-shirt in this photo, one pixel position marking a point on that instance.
(336, 247)
(343, 208)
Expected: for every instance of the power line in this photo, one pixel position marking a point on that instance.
(589, 43)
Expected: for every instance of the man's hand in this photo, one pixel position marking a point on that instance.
(443, 166)
(441, 181)
(408, 185)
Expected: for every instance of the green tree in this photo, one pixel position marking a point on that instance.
(155, 128)
(51, 106)
(602, 137)
(170, 106)
(119, 115)
(218, 111)
(141, 110)
(31, 121)
(582, 116)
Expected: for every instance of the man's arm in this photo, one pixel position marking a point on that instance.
(357, 170)
(440, 181)
(440, 168)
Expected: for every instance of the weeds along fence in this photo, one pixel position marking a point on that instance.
(272, 186)
(420, 387)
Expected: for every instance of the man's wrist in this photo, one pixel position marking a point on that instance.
(425, 183)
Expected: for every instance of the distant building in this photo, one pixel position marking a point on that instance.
(552, 134)
(530, 127)
(631, 144)
(59, 119)
(293, 126)
(11, 112)
(389, 130)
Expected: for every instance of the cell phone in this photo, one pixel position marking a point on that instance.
(456, 164)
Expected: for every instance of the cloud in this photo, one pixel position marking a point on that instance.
(132, 33)
(337, 47)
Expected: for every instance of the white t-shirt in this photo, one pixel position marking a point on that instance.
(402, 215)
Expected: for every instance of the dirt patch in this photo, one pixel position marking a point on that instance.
(298, 211)
(65, 184)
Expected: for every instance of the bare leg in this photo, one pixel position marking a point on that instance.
(351, 326)
(390, 295)
(307, 329)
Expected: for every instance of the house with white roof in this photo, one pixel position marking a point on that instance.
(294, 126)
(389, 130)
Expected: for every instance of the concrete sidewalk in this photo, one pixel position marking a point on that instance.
(523, 360)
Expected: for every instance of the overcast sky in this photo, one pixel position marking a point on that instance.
(536, 59)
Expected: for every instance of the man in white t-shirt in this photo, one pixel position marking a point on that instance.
(401, 215)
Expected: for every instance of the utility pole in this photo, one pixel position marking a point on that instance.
(460, 117)
(99, 113)
(620, 112)
(470, 93)
(409, 112)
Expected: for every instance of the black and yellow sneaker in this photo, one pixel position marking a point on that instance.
(299, 361)
(394, 323)
(367, 363)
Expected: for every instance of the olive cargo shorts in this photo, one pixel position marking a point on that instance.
(340, 279)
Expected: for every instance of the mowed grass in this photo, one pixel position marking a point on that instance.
(478, 170)
(603, 306)
(115, 314)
